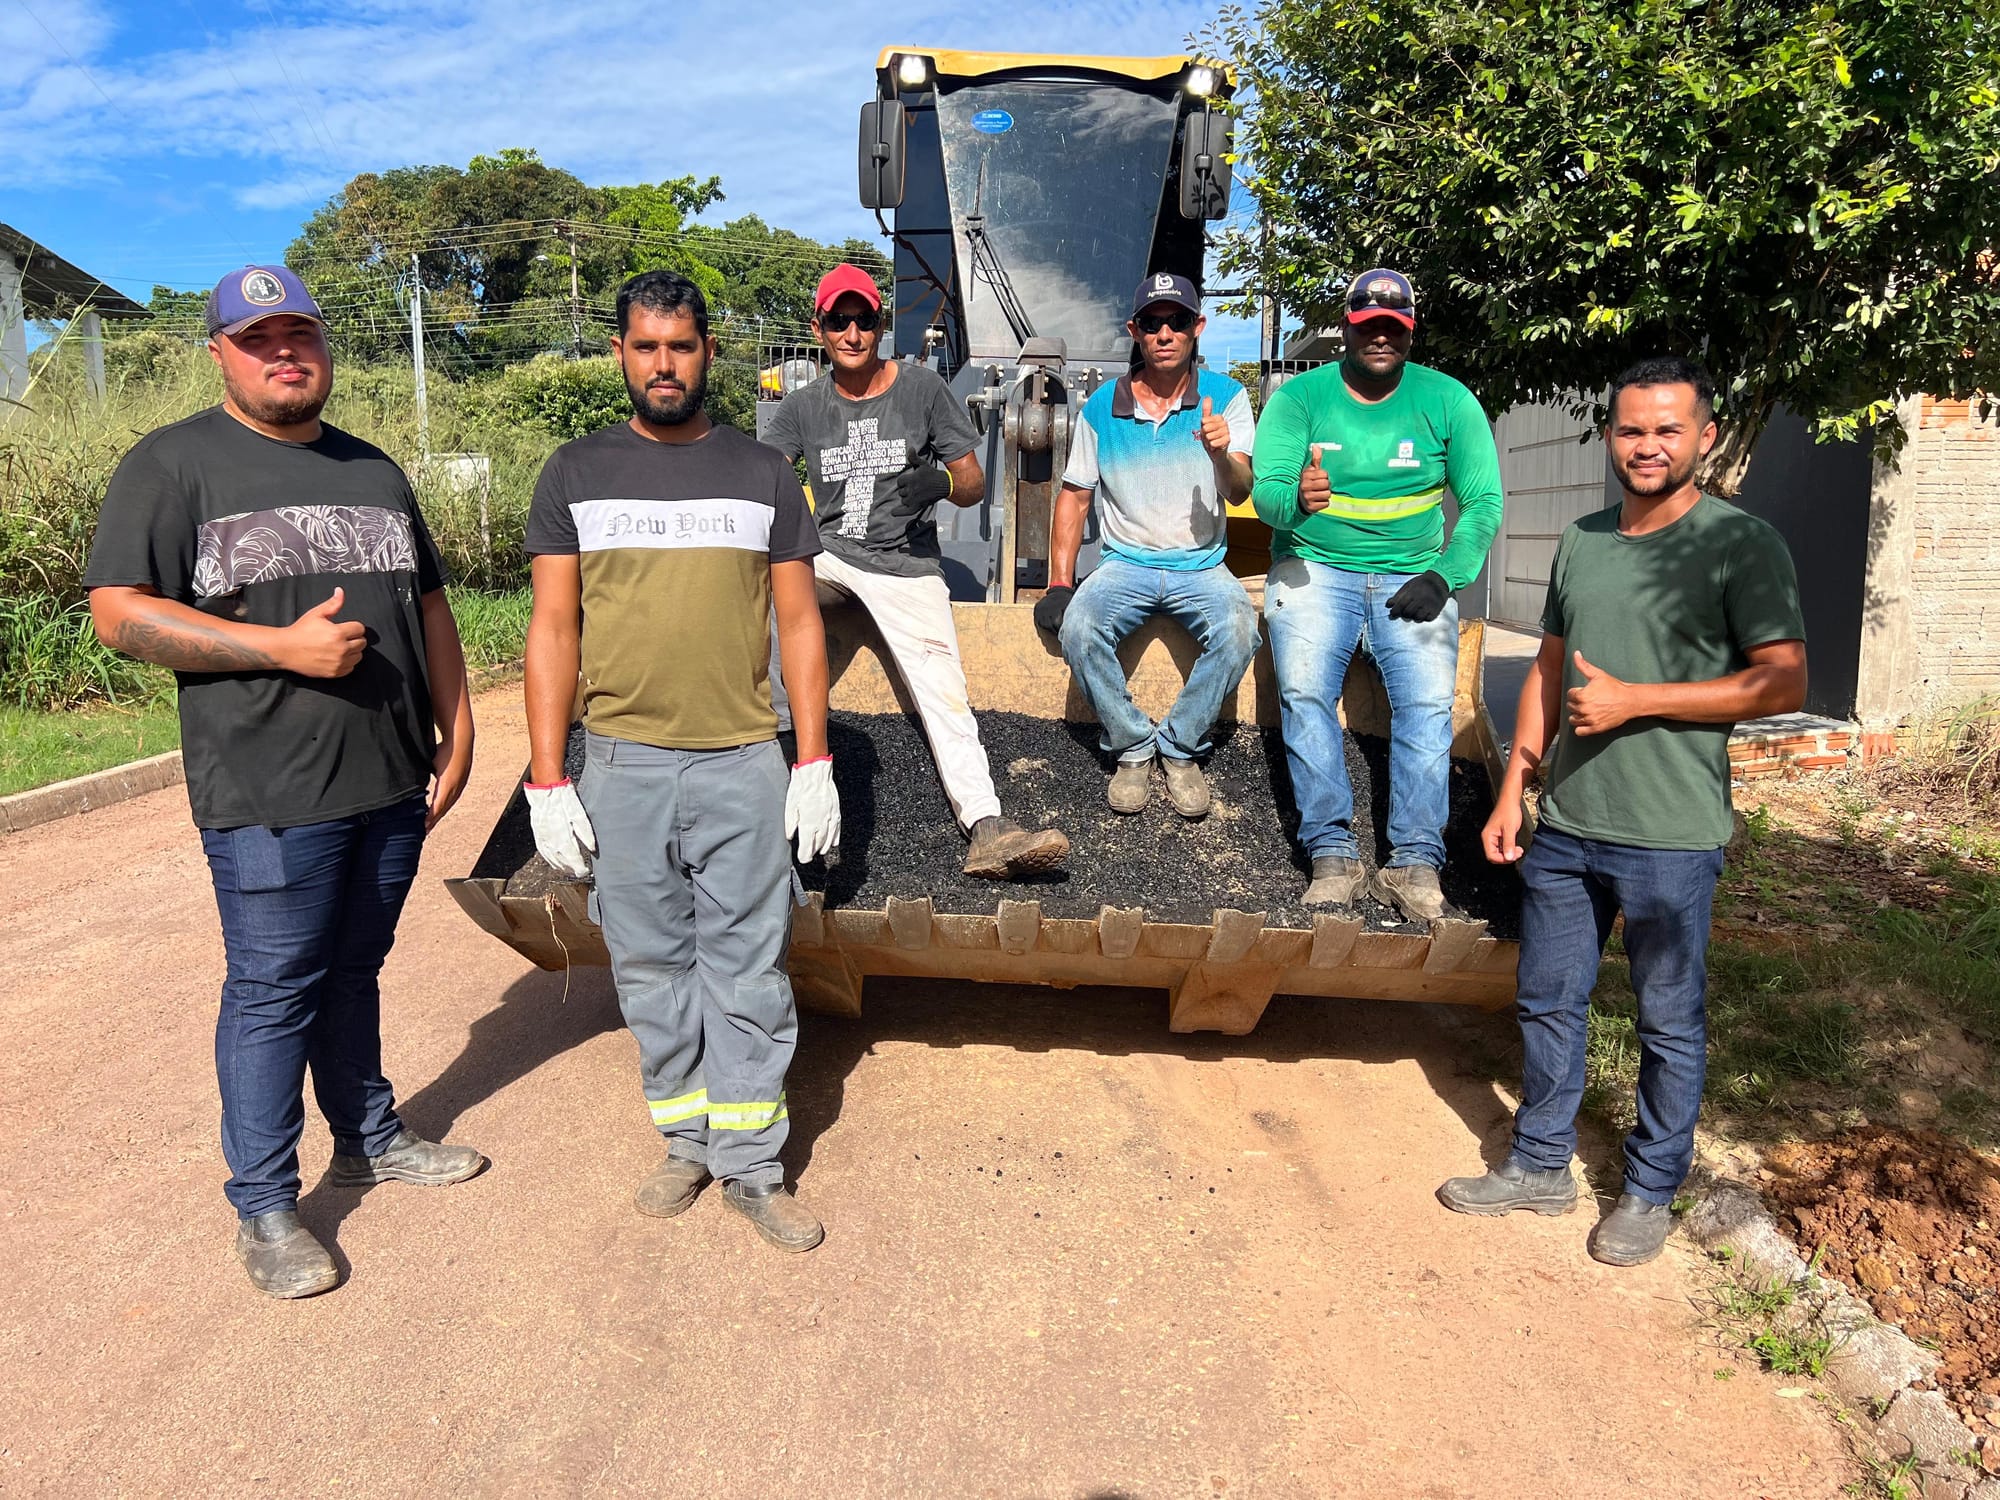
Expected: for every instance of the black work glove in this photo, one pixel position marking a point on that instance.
(1052, 606)
(915, 491)
(1421, 600)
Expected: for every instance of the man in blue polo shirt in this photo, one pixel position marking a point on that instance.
(1163, 450)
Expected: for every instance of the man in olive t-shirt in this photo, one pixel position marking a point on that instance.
(1670, 617)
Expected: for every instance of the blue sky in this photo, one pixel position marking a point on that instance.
(171, 141)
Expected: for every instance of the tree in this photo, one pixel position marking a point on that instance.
(1800, 193)
(771, 273)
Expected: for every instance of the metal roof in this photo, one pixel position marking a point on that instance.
(53, 288)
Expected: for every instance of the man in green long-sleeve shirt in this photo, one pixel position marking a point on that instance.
(1352, 464)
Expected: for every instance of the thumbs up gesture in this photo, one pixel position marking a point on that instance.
(317, 645)
(1315, 488)
(1601, 703)
(1214, 430)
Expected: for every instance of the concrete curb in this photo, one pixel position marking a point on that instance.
(1872, 1365)
(82, 794)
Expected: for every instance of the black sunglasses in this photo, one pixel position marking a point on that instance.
(1381, 299)
(1180, 320)
(840, 322)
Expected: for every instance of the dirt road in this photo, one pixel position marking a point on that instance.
(1068, 1254)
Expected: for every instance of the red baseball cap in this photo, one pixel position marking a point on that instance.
(841, 280)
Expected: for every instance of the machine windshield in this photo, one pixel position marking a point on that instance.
(1067, 176)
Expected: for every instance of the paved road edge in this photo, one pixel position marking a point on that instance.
(82, 794)
(1873, 1364)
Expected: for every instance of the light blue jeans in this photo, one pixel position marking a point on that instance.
(1317, 616)
(1116, 600)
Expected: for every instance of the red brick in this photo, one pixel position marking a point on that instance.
(1819, 762)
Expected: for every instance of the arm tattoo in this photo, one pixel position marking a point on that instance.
(188, 647)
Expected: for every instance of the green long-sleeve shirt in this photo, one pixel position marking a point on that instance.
(1389, 462)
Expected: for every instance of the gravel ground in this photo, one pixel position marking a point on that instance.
(899, 838)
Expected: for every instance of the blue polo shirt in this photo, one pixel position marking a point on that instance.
(1157, 504)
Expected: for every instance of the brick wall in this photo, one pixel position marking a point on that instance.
(1789, 749)
(1954, 585)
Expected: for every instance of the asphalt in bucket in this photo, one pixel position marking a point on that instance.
(899, 837)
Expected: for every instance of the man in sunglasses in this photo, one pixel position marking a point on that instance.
(1162, 450)
(1353, 460)
(883, 443)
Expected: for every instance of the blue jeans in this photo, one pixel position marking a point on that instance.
(1573, 889)
(308, 916)
(1116, 600)
(1317, 616)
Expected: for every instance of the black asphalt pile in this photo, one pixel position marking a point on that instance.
(898, 837)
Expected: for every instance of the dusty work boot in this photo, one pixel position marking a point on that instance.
(1336, 881)
(1131, 786)
(1411, 889)
(282, 1257)
(1510, 1186)
(779, 1217)
(670, 1188)
(1187, 788)
(410, 1158)
(1003, 850)
(1632, 1233)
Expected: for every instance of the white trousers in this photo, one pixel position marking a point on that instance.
(914, 617)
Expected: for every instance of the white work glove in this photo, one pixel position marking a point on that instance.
(563, 835)
(812, 808)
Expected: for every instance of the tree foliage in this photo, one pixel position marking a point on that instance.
(1801, 193)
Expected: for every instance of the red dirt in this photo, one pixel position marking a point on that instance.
(1911, 1221)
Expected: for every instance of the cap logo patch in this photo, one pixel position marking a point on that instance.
(262, 289)
(1163, 283)
(1382, 286)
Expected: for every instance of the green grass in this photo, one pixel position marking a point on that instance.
(494, 627)
(39, 748)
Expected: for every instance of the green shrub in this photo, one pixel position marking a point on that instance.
(566, 397)
(50, 658)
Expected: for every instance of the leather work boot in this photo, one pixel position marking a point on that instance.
(1336, 881)
(670, 1188)
(1003, 850)
(1411, 889)
(1632, 1233)
(1131, 786)
(410, 1158)
(282, 1257)
(779, 1217)
(1510, 1186)
(1187, 788)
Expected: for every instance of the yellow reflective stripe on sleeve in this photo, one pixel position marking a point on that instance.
(1354, 508)
(753, 1116)
(673, 1111)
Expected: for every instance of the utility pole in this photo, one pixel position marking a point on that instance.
(575, 301)
(1270, 328)
(417, 355)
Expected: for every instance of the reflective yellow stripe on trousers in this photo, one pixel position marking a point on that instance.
(1354, 508)
(673, 1111)
(746, 1116)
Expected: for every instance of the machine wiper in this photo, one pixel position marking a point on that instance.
(986, 265)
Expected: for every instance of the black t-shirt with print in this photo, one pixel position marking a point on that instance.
(855, 449)
(217, 516)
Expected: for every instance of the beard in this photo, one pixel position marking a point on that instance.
(1669, 479)
(669, 413)
(280, 408)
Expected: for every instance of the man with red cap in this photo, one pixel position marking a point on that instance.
(1352, 463)
(883, 443)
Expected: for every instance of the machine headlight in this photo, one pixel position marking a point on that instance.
(1201, 80)
(913, 70)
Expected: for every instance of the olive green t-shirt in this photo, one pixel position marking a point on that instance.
(1681, 604)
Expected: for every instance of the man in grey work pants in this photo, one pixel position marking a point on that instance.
(692, 859)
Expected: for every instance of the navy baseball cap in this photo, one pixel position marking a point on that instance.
(1164, 286)
(1382, 293)
(255, 292)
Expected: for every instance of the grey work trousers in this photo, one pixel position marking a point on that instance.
(693, 890)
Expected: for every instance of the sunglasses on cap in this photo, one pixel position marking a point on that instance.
(1380, 298)
(867, 321)
(1180, 320)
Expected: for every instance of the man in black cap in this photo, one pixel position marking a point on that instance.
(1163, 451)
(283, 570)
